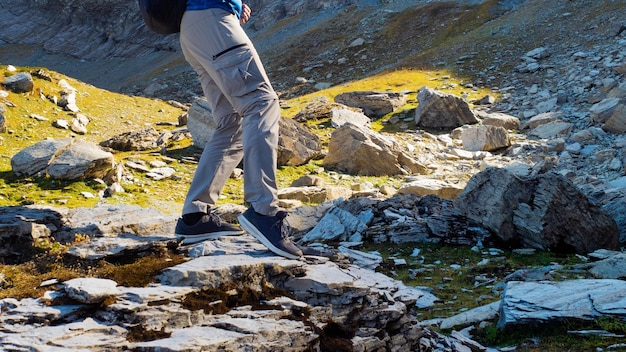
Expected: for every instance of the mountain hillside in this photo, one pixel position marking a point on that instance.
(104, 42)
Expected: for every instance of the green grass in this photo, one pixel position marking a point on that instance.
(112, 113)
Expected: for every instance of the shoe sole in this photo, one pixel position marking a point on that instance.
(191, 239)
(252, 230)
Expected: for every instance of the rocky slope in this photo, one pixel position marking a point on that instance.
(559, 68)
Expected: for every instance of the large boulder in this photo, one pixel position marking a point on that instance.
(82, 160)
(20, 83)
(296, 143)
(485, 138)
(545, 302)
(440, 110)
(545, 212)
(360, 151)
(200, 122)
(616, 123)
(65, 159)
(319, 109)
(373, 104)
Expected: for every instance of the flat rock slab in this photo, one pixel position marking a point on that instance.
(91, 290)
(528, 302)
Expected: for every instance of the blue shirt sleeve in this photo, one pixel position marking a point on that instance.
(232, 6)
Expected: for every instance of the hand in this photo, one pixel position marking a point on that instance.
(245, 14)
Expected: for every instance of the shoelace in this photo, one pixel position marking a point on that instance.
(283, 226)
(214, 218)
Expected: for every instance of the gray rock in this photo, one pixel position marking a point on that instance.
(472, 316)
(319, 109)
(36, 158)
(360, 151)
(113, 220)
(485, 138)
(308, 181)
(552, 129)
(297, 145)
(22, 227)
(3, 122)
(145, 139)
(424, 186)
(20, 82)
(90, 290)
(314, 194)
(200, 122)
(542, 119)
(79, 124)
(440, 110)
(617, 209)
(613, 267)
(119, 246)
(501, 120)
(538, 53)
(336, 225)
(82, 160)
(373, 104)
(600, 112)
(543, 302)
(340, 117)
(545, 212)
(617, 122)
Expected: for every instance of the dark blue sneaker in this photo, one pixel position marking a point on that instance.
(272, 231)
(210, 227)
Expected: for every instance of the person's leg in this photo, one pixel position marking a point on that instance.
(220, 156)
(235, 82)
(223, 52)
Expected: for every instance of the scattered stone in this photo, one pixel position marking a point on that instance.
(62, 124)
(486, 100)
(161, 173)
(340, 117)
(90, 290)
(472, 316)
(319, 109)
(617, 122)
(500, 120)
(308, 181)
(200, 122)
(36, 158)
(600, 112)
(542, 119)
(145, 139)
(314, 194)
(422, 186)
(552, 130)
(79, 124)
(68, 97)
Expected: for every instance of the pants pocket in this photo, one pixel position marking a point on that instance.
(238, 71)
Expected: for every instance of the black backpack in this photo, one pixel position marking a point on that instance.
(163, 16)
